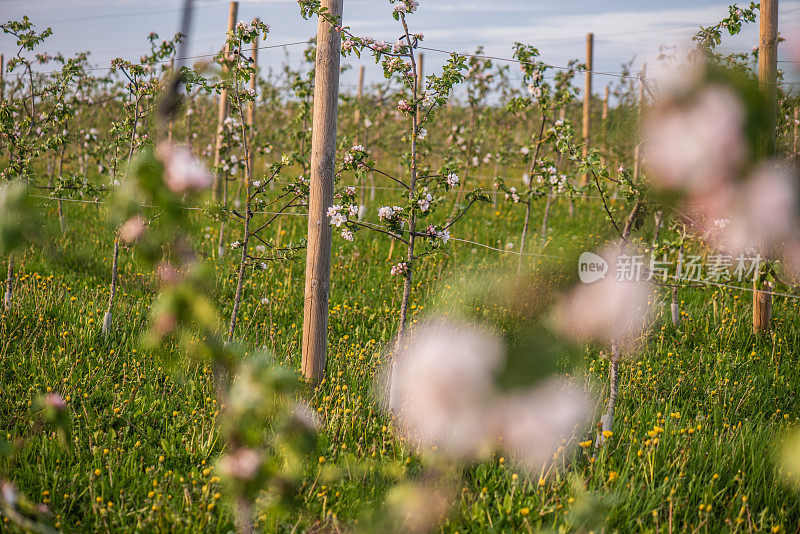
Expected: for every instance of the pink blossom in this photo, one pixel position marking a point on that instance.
(182, 171)
(696, 146)
(441, 386)
(133, 229)
(241, 465)
(611, 308)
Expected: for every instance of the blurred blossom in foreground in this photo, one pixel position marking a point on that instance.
(606, 310)
(696, 142)
(132, 229)
(182, 170)
(418, 508)
(762, 214)
(444, 393)
(442, 387)
(243, 464)
(535, 422)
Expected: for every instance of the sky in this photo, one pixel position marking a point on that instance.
(624, 29)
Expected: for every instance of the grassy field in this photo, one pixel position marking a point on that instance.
(701, 414)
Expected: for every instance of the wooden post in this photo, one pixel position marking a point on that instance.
(762, 307)
(170, 125)
(587, 99)
(357, 114)
(251, 112)
(603, 125)
(323, 152)
(637, 156)
(420, 81)
(222, 109)
(362, 135)
(768, 67)
(767, 77)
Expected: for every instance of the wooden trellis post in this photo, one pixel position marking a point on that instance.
(767, 77)
(587, 99)
(323, 153)
(637, 155)
(604, 117)
(251, 110)
(420, 81)
(222, 110)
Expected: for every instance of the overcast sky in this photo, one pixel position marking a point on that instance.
(623, 28)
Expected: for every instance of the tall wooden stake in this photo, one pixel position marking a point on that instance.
(587, 99)
(362, 138)
(251, 111)
(420, 81)
(637, 155)
(767, 77)
(768, 67)
(323, 152)
(604, 129)
(222, 109)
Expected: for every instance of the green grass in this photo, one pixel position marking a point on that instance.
(146, 436)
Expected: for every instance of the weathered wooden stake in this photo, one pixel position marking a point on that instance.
(420, 81)
(323, 152)
(762, 307)
(251, 110)
(362, 140)
(222, 109)
(675, 308)
(767, 77)
(637, 155)
(603, 125)
(587, 99)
